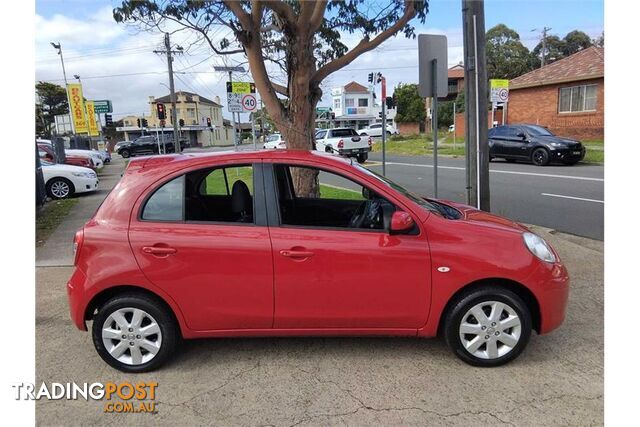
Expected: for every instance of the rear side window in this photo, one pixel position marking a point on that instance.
(167, 203)
(320, 134)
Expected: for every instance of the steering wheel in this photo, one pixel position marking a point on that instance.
(368, 215)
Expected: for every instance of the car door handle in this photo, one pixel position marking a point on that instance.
(158, 250)
(293, 253)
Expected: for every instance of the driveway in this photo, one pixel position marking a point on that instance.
(558, 380)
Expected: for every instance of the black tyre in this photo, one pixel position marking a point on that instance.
(488, 326)
(388, 133)
(328, 149)
(60, 188)
(134, 332)
(125, 153)
(540, 157)
(362, 158)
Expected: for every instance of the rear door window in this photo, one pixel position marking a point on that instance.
(341, 133)
(167, 203)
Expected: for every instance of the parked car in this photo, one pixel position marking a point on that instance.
(274, 141)
(120, 144)
(45, 151)
(344, 141)
(92, 154)
(452, 128)
(62, 181)
(148, 144)
(533, 143)
(376, 130)
(355, 254)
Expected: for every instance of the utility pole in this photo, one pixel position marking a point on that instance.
(58, 47)
(543, 60)
(383, 95)
(475, 75)
(174, 113)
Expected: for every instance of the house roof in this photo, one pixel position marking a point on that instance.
(456, 72)
(189, 95)
(355, 87)
(585, 64)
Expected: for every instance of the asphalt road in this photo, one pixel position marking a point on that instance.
(558, 380)
(565, 198)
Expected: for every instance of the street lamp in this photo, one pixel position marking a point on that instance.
(58, 47)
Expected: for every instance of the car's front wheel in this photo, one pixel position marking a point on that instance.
(125, 153)
(60, 188)
(540, 157)
(134, 332)
(488, 326)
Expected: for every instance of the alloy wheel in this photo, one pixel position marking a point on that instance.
(490, 329)
(60, 189)
(131, 336)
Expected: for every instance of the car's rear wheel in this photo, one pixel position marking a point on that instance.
(540, 157)
(60, 188)
(134, 333)
(125, 153)
(328, 149)
(488, 326)
(364, 134)
(362, 158)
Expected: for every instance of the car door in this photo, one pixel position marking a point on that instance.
(515, 144)
(329, 275)
(212, 256)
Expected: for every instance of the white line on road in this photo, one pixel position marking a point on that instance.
(581, 178)
(571, 197)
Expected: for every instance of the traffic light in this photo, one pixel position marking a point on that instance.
(389, 101)
(144, 122)
(209, 121)
(139, 123)
(108, 120)
(162, 123)
(181, 122)
(380, 114)
(161, 112)
(333, 115)
(370, 77)
(379, 78)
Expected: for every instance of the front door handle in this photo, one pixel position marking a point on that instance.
(158, 250)
(295, 253)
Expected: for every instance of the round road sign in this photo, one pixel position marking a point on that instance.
(249, 102)
(503, 95)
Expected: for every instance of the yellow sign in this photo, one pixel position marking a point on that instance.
(499, 83)
(240, 87)
(74, 91)
(91, 119)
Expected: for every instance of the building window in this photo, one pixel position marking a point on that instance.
(577, 98)
(336, 103)
(349, 102)
(191, 113)
(363, 102)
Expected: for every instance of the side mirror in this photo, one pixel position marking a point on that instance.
(521, 135)
(401, 222)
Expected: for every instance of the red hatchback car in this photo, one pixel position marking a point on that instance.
(293, 243)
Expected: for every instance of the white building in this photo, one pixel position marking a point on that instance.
(354, 106)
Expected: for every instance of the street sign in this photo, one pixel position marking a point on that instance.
(323, 109)
(240, 97)
(102, 106)
(430, 47)
(499, 90)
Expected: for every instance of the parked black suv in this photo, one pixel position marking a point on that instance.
(533, 143)
(148, 144)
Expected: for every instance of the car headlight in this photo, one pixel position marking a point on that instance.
(557, 144)
(538, 247)
(84, 174)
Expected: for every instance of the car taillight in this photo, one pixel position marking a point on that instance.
(77, 245)
(341, 143)
(370, 141)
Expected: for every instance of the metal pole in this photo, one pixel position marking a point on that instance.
(253, 130)
(64, 75)
(493, 113)
(174, 113)
(158, 140)
(434, 123)
(504, 113)
(233, 119)
(454, 125)
(384, 126)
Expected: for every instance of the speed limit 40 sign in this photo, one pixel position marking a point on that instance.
(249, 103)
(499, 90)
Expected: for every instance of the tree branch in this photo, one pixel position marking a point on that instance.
(366, 45)
(318, 16)
(283, 10)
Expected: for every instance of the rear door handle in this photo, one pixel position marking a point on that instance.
(158, 250)
(292, 253)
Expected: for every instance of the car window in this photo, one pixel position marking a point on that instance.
(333, 201)
(273, 138)
(375, 126)
(511, 131)
(320, 134)
(538, 130)
(167, 202)
(340, 133)
(205, 195)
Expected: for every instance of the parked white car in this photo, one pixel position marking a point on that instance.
(376, 130)
(344, 141)
(452, 128)
(274, 141)
(62, 181)
(98, 159)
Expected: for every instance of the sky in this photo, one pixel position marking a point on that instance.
(116, 61)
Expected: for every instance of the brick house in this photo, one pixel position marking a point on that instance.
(455, 85)
(566, 96)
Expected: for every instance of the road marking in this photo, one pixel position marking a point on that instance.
(571, 197)
(546, 175)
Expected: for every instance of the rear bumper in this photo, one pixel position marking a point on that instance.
(352, 152)
(75, 291)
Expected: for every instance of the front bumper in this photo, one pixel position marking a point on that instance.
(353, 152)
(568, 155)
(552, 292)
(85, 185)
